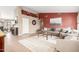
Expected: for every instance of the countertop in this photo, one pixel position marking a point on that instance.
(2, 34)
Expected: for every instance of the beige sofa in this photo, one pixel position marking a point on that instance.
(67, 45)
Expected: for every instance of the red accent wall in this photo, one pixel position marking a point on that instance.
(68, 19)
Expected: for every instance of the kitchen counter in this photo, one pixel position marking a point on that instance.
(2, 34)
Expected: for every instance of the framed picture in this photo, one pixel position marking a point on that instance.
(56, 21)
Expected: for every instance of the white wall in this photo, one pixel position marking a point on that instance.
(30, 27)
(33, 28)
(19, 18)
(8, 12)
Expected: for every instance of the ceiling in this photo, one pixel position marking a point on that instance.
(53, 9)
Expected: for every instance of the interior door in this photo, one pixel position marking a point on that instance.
(25, 25)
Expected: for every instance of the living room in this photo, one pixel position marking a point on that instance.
(49, 28)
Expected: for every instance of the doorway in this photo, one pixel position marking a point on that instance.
(25, 25)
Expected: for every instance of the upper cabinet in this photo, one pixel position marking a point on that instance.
(8, 12)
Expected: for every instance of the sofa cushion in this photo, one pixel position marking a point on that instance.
(67, 45)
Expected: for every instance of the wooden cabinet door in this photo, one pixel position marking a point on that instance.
(1, 44)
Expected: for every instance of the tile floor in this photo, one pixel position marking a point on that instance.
(12, 42)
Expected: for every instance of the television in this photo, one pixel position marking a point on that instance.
(56, 21)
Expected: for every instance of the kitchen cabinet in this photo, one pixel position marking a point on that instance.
(2, 35)
(1, 43)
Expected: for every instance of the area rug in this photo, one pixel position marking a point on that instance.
(38, 44)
